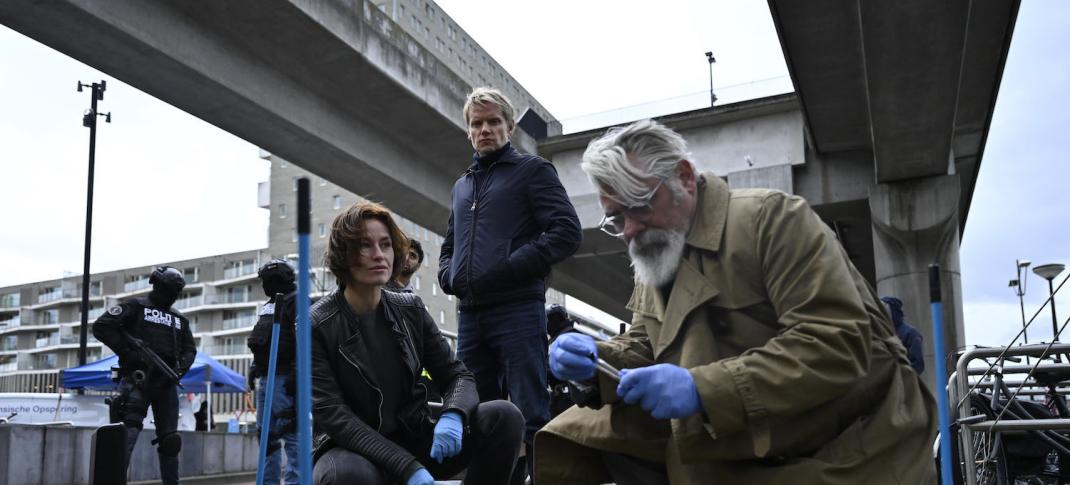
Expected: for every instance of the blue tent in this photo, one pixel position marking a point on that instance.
(97, 376)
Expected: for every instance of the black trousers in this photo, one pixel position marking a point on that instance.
(134, 404)
(489, 452)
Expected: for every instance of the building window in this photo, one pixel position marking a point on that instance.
(190, 275)
(416, 282)
(441, 317)
(427, 32)
(323, 230)
(337, 202)
(295, 184)
(434, 289)
(293, 235)
(323, 181)
(282, 211)
(449, 297)
(282, 163)
(452, 32)
(430, 11)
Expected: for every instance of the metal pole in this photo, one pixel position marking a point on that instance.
(96, 92)
(265, 426)
(304, 337)
(1054, 322)
(711, 60)
(941, 374)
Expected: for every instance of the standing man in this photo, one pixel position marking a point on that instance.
(277, 277)
(511, 221)
(403, 281)
(757, 352)
(134, 330)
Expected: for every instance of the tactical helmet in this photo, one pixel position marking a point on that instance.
(168, 279)
(277, 276)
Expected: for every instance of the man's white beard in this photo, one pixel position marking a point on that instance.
(655, 255)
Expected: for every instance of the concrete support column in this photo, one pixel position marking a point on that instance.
(915, 224)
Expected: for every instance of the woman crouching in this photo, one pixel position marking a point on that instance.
(369, 346)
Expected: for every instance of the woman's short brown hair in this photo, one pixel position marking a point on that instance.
(347, 230)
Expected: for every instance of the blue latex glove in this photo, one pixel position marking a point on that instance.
(448, 434)
(664, 390)
(572, 357)
(421, 477)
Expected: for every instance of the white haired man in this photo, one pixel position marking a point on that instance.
(757, 352)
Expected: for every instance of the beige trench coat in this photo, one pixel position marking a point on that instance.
(799, 370)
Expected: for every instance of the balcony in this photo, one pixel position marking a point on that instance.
(228, 349)
(10, 323)
(239, 321)
(9, 345)
(243, 269)
(94, 313)
(53, 339)
(10, 300)
(189, 302)
(52, 295)
(237, 297)
(138, 284)
(9, 367)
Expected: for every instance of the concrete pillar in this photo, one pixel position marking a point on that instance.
(915, 224)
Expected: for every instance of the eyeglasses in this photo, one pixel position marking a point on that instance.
(614, 224)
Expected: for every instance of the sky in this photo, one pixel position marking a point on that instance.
(170, 186)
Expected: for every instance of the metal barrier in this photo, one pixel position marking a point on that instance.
(967, 380)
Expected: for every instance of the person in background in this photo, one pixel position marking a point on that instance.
(373, 423)
(413, 259)
(133, 329)
(277, 277)
(908, 335)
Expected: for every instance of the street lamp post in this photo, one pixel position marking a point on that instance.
(711, 60)
(1019, 289)
(1049, 272)
(89, 120)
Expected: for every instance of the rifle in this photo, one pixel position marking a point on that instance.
(152, 358)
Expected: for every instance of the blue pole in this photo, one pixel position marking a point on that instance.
(269, 395)
(941, 373)
(304, 337)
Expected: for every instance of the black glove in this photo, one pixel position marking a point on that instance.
(250, 379)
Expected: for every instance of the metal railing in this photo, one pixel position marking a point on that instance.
(11, 322)
(239, 321)
(245, 268)
(9, 367)
(189, 302)
(138, 284)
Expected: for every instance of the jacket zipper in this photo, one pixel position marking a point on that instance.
(378, 427)
(472, 229)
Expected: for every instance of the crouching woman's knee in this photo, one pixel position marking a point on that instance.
(340, 466)
(500, 422)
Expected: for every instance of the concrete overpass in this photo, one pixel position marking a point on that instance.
(884, 138)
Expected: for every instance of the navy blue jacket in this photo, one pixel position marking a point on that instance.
(511, 220)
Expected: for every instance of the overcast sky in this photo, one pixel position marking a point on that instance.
(170, 186)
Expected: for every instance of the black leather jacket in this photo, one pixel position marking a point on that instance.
(346, 398)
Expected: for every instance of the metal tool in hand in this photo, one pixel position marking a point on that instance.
(608, 370)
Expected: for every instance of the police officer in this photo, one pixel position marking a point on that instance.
(150, 323)
(277, 277)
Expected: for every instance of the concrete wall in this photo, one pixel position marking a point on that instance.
(39, 455)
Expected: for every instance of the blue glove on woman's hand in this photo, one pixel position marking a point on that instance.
(572, 357)
(448, 434)
(664, 390)
(421, 477)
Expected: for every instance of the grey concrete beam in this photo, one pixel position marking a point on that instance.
(913, 53)
(325, 84)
